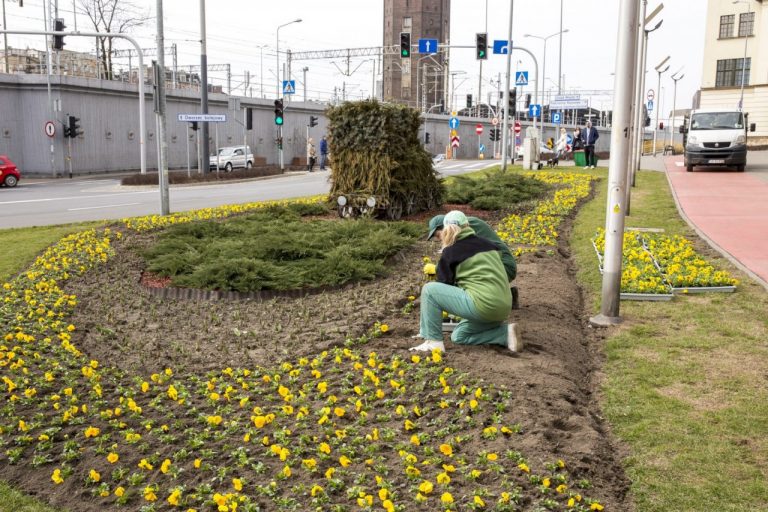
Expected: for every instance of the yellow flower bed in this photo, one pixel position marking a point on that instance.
(682, 265)
(343, 430)
(538, 229)
(639, 273)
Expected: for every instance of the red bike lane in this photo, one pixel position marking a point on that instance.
(728, 208)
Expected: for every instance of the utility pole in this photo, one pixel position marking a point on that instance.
(505, 121)
(638, 96)
(5, 39)
(162, 168)
(203, 150)
(617, 177)
(304, 82)
(560, 55)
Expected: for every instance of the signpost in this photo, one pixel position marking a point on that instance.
(202, 118)
(521, 78)
(534, 110)
(453, 123)
(289, 86)
(495, 121)
(556, 118)
(50, 129)
(427, 45)
(500, 47)
(568, 102)
(479, 129)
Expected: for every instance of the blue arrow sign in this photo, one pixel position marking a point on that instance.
(289, 86)
(427, 45)
(650, 105)
(521, 78)
(534, 110)
(569, 139)
(482, 147)
(556, 118)
(453, 123)
(500, 46)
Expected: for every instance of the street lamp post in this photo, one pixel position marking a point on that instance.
(743, 62)
(661, 68)
(453, 74)
(277, 96)
(544, 65)
(674, 103)
(261, 68)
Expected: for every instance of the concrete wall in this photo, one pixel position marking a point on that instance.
(109, 118)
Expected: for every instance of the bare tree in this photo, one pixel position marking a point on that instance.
(115, 16)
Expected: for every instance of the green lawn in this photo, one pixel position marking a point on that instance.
(685, 380)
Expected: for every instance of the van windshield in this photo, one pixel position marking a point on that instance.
(717, 121)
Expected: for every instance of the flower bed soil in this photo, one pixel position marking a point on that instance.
(554, 383)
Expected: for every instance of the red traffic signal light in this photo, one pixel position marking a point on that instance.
(481, 46)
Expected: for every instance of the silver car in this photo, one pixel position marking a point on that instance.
(231, 157)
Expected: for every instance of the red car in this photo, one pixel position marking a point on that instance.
(9, 173)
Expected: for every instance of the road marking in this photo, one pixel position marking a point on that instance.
(97, 207)
(49, 199)
(679, 164)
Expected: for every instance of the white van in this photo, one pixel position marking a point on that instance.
(716, 138)
(231, 157)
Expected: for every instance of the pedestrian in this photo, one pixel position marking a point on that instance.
(562, 143)
(323, 152)
(577, 142)
(589, 137)
(311, 154)
(472, 284)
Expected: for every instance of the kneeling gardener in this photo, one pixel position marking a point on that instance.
(472, 283)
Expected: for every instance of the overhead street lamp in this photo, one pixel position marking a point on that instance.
(261, 68)
(277, 52)
(744, 62)
(677, 76)
(544, 62)
(661, 68)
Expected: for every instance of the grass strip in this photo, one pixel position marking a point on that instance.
(684, 380)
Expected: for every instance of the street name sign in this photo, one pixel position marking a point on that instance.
(202, 118)
(568, 102)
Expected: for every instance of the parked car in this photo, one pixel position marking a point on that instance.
(436, 159)
(9, 173)
(717, 137)
(231, 157)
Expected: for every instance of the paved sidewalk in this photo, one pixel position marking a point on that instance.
(727, 208)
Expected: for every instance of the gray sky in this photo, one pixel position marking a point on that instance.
(237, 27)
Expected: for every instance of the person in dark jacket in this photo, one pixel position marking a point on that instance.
(589, 136)
(483, 230)
(323, 152)
(471, 284)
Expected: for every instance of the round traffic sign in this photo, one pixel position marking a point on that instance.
(518, 127)
(478, 129)
(50, 129)
(495, 121)
(651, 95)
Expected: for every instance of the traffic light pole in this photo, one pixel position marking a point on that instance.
(142, 121)
(505, 120)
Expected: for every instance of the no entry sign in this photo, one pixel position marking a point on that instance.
(479, 129)
(517, 127)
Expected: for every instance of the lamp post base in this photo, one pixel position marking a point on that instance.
(604, 321)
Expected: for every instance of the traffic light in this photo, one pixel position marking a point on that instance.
(469, 101)
(513, 100)
(279, 142)
(426, 137)
(248, 119)
(481, 46)
(527, 100)
(493, 134)
(66, 131)
(193, 125)
(661, 125)
(74, 126)
(405, 45)
(279, 119)
(58, 41)
(312, 121)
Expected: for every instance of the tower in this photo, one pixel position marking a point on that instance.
(419, 81)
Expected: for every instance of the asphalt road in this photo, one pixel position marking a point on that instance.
(62, 201)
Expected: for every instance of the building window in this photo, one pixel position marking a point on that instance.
(407, 23)
(726, 26)
(729, 72)
(746, 24)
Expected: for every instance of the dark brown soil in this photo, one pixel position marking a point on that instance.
(554, 382)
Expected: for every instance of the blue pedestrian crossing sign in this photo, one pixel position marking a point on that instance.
(556, 118)
(521, 78)
(500, 46)
(453, 123)
(427, 45)
(534, 110)
(650, 106)
(289, 86)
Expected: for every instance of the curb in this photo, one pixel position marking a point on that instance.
(759, 280)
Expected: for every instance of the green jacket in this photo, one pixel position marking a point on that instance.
(474, 264)
(483, 230)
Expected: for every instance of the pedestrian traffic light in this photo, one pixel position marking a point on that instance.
(405, 45)
(426, 137)
(193, 125)
(312, 121)
(279, 119)
(74, 126)
(279, 142)
(513, 100)
(481, 46)
(469, 101)
(58, 41)
(527, 100)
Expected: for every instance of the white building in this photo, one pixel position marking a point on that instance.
(732, 27)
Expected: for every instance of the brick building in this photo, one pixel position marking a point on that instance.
(420, 81)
